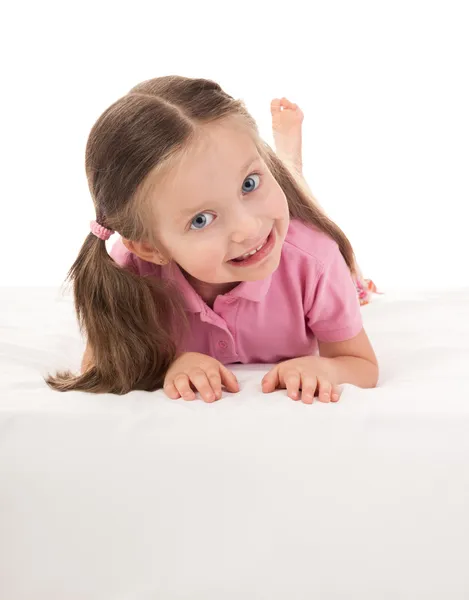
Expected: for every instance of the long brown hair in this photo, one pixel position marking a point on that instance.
(131, 321)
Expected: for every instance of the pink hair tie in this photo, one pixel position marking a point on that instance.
(99, 231)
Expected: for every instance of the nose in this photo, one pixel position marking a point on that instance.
(247, 227)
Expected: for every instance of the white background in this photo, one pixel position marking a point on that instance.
(384, 87)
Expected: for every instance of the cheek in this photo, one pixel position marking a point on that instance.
(280, 211)
(276, 201)
(199, 257)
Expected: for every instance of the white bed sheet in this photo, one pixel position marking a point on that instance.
(253, 497)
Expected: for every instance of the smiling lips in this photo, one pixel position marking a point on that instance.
(251, 252)
(257, 255)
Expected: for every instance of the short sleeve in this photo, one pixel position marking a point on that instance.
(129, 261)
(334, 313)
(122, 256)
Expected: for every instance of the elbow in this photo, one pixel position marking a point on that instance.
(373, 375)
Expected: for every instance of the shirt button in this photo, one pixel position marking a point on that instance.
(222, 344)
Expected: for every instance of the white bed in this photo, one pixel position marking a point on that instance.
(253, 497)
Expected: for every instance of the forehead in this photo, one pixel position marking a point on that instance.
(212, 166)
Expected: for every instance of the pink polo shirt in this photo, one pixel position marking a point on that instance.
(311, 296)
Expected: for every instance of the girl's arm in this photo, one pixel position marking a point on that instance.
(352, 361)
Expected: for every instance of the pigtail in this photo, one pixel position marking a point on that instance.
(130, 323)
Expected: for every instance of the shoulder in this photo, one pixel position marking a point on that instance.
(120, 254)
(128, 260)
(306, 243)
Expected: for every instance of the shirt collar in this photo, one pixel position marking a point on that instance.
(254, 291)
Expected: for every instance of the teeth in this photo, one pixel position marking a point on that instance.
(251, 253)
(244, 256)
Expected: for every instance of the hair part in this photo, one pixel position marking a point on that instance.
(133, 324)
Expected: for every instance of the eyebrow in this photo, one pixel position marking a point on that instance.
(196, 210)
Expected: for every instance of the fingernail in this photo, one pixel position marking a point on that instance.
(335, 397)
(187, 395)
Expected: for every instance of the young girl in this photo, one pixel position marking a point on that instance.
(225, 256)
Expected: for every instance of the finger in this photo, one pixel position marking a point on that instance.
(308, 387)
(270, 381)
(183, 386)
(215, 382)
(228, 379)
(171, 391)
(324, 389)
(292, 383)
(335, 394)
(202, 385)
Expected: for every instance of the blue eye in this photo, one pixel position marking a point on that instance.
(252, 183)
(200, 221)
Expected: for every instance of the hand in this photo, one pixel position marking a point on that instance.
(200, 372)
(310, 373)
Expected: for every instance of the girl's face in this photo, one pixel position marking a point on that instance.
(220, 203)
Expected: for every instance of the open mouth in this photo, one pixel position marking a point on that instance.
(256, 255)
(248, 254)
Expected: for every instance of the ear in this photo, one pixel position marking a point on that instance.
(145, 251)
